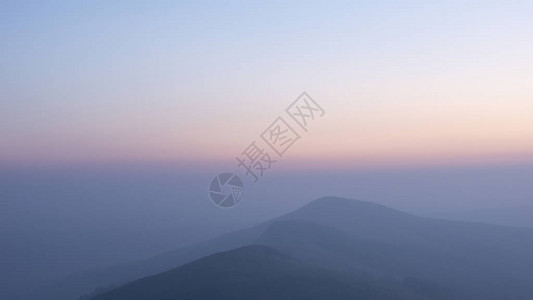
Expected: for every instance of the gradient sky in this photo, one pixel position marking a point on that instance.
(402, 82)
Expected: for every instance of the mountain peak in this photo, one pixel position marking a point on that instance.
(333, 200)
(366, 219)
(335, 207)
(256, 251)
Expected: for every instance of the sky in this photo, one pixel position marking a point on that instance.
(195, 82)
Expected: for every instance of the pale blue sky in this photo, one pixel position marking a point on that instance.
(145, 81)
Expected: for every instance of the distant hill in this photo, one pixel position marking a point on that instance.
(251, 273)
(520, 216)
(437, 258)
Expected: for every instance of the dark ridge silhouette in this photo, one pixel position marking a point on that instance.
(250, 273)
(455, 260)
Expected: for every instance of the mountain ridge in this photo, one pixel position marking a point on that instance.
(372, 225)
(254, 272)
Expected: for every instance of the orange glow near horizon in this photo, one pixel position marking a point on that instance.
(410, 90)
